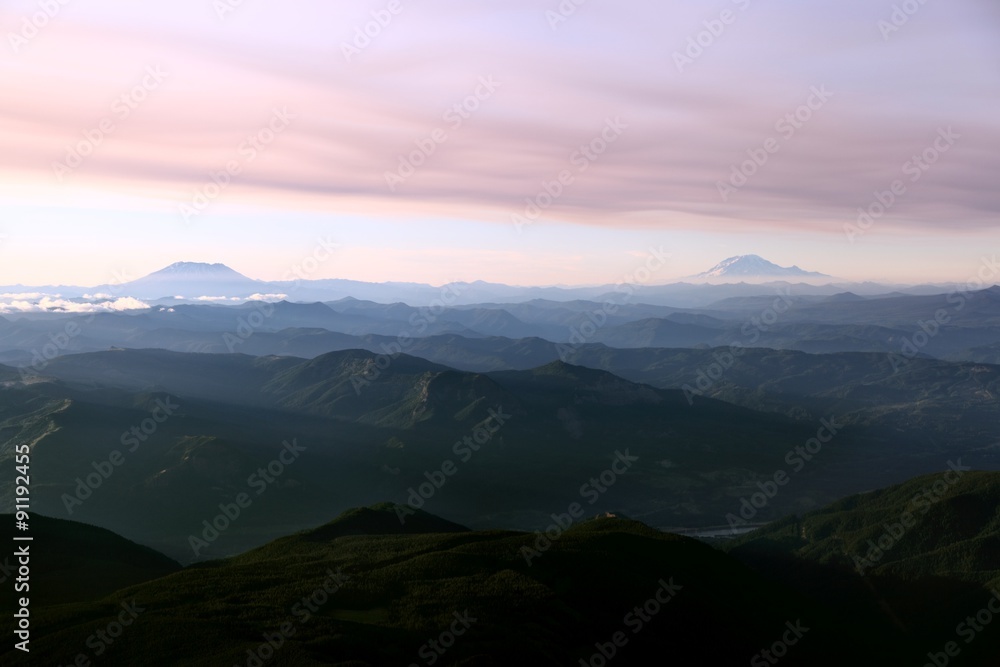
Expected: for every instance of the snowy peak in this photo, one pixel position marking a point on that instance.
(194, 279)
(196, 271)
(754, 267)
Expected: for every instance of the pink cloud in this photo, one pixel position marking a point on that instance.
(353, 120)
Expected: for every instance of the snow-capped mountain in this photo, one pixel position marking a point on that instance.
(754, 267)
(196, 271)
(193, 280)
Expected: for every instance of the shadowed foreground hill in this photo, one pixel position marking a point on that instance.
(944, 524)
(360, 591)
(80, 562)
(927, 552)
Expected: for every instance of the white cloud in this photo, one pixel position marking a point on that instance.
(52, 304)
(25, 295)
(240, 299)
(125, 303)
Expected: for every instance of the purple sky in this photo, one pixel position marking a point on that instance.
(489, 104)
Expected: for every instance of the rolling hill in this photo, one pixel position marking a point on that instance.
(358, 591)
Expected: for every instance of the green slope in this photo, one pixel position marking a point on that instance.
(391, 594)
(927, 552)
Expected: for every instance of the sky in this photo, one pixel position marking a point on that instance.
(537, 142)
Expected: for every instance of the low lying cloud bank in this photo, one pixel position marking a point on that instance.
(39, 302)
(33, 302)
(238, 299)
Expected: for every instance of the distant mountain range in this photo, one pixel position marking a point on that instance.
(197, 282)
(497, 336)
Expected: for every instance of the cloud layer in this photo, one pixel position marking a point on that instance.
(33, 302)
(490, 105)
